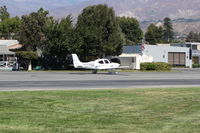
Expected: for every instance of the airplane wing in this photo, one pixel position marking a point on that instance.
(123, 67)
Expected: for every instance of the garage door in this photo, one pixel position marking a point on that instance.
(176, 58)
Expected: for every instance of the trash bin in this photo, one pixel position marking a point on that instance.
(38, 68)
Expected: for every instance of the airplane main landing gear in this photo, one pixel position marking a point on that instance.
(112, 71)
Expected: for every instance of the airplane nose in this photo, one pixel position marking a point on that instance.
(116, 65)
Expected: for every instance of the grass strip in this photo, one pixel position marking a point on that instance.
(170, 110)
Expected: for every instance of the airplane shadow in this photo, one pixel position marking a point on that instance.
(100, 73)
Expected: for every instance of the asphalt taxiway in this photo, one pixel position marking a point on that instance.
(85, 80)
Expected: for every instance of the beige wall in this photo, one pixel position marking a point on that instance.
(198, 47)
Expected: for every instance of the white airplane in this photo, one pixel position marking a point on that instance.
(99, 64)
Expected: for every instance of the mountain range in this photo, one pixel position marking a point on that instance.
(143, 10)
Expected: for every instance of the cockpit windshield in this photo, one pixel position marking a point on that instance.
(101, 62)
(106, 61)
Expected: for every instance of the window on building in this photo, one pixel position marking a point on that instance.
(1, 57)
(194, 47)
(133, 59)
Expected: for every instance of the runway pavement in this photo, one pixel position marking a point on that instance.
(85, 80)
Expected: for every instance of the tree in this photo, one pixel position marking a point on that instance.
(168, 29)
(32, 30)
(58, 43)
(10, 27)
(99, 31)
(131, 28)
(193, 37)
(4, 14)
(154, 34)
(25, 58)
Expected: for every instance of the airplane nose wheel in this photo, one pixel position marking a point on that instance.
(94, 71)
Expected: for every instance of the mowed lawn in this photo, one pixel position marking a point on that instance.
(101, 111)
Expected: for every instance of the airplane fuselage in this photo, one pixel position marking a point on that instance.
(99, 64)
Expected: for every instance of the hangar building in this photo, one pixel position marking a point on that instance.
(195, 48)
(132, 56)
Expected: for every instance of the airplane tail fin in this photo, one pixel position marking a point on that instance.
(76, 61)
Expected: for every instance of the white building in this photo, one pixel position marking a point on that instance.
(132, 56)
(134, 60)
(195, 50)
(7, 58)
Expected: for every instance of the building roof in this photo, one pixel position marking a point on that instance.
(11, 44)
(15, 46)
(131, 49)
(5, 51)
(193, 43)
(129, 55)
(8, 42)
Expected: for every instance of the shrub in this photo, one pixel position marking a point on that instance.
(155, 66)
(195, 65)
(25, 58)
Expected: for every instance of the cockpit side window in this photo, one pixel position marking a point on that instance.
(101, 62)
(106, 61)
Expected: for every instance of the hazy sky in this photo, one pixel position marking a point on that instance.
(75, 1)
(20, 7)
(41, 1)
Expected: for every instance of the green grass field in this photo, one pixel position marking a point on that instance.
(101, 111)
